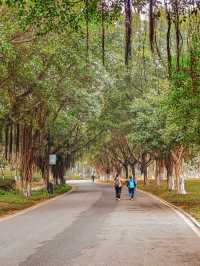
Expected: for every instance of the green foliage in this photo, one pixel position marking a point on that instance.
(56, 16)
(59, 189)
(183, 102)
(53, 80)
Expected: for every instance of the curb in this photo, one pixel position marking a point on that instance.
(37, 205)
(176, 209)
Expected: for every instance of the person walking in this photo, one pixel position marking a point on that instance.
(131, 187)
(93, 178)
(118, 186)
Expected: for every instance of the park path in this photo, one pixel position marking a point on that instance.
(89, 228)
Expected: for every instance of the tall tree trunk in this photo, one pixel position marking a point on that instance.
(178, 33)
(162, 169)
(62, 171)
(178, 165)
(151, 24)
(103, 30)
(126, 170)
(87, 31)
(144, 168)
(169, 56)
(59, 170)
(45, 171)
(27, 160)
(157, 172)
(145, 175)
(128, 30)
(17, 139)
(11, 142)
(179, 177)
(169, 168)
(28, 188)
(133, 168)
(21, 180)
(6, 141)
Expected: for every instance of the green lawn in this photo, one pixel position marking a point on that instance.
(13, 201)
(189, 202)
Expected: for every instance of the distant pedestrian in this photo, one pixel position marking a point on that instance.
(118, 186)
(131, 184)
(93, 178)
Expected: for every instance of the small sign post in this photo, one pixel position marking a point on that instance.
(52, 159)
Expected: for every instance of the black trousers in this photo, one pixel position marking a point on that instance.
(131, 192)
(118, 191)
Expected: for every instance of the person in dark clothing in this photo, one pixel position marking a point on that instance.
(93, 178)
(118, 186)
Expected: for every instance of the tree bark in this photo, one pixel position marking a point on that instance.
(27, 160)
(45, 173)
(151, 24)
(169, 56)
(157, 172)
(6, 141)
(133, 168)
(128, 30)
(126, 170)
(179, 177)
(17, 139)
(10, 142)
(103, 30)
(87, 31)
(59, 170)
(178, 164)
(169, 167)
(177, 32)
(145, 175)
(28, 188)
(144, 168)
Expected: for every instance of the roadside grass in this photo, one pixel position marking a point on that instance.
(189, 202)
(13, 201)
(73, 177)
(10, 174)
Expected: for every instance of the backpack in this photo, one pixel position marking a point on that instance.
(131, 183)
(117, 182)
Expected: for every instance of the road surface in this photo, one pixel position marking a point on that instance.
(89, 228)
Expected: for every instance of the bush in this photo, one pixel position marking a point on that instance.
(7, 184)
(2, 192)
(59, 189)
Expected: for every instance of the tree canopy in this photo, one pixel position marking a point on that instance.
(115, 81)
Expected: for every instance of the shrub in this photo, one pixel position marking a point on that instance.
(2, 192)
(7, 184)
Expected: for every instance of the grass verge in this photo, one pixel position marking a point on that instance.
(13, 201)
(73, 177)
(189, 202)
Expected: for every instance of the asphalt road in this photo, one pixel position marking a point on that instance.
(89, 228)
